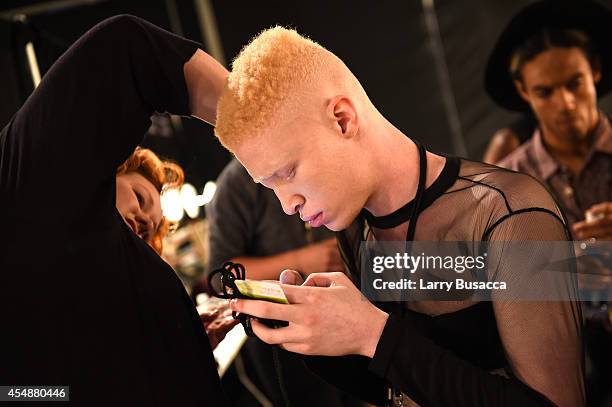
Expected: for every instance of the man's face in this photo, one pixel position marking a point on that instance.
(559, 85)
(311, 167)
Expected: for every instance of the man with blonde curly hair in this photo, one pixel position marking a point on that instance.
(282, 84)
(301, 124)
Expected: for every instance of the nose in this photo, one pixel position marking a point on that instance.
(566, 99)
(145, 224)
(291, 203)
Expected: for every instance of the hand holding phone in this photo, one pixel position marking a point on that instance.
(267, 291)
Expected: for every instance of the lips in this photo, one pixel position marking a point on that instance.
(568, 119)
(314, 220)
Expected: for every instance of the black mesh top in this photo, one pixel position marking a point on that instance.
(462, 353)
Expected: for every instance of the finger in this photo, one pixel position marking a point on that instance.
(296, 294)
(318, 280)
(596, 231)
(221, 325)
(600, 208)
(218, 332)
(600, 220)
(274, 336)
(601, 233)
(291, 277)
(265, 309)
(585, 228)
(209, 316)
(579, 225)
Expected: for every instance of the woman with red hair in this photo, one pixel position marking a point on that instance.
(141, 179)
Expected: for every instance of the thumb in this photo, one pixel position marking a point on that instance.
(325, 279)
(291, 277)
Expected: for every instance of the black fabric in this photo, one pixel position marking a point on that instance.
(461, 353)
(442, 183)
(439, 368)
(85, 302)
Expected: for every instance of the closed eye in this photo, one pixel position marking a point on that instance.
(543, 93)
(140, 198)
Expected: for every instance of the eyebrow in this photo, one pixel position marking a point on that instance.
(548, 87)
(574, 77)
(541, 88)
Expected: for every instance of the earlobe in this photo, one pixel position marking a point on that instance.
(342, 112)
(596, 76)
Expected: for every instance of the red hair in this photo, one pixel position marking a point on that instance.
(162, 174)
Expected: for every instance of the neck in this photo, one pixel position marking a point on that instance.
(396, 169)
(560, 147)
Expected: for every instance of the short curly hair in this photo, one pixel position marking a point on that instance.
(270, 73)
(162, 174)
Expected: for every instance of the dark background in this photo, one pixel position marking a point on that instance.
(435, 97)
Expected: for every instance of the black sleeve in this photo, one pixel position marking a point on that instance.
(350, 374)
(90, 111)
(541, 341)
(232, 215)
(432, 375)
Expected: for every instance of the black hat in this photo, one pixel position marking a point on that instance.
(592, 18)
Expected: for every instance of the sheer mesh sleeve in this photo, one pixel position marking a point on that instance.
(541, 339)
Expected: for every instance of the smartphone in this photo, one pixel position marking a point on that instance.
(267, 291)
(262, 290)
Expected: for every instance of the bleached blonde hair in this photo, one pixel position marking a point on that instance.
(270, 73)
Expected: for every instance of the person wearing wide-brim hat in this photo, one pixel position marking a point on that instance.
(554, 58)
(591, 18)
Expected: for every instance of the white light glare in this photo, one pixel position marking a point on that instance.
(172, 207)
(189, 201)
(207, 195)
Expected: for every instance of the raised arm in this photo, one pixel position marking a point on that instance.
(92, 109)
(205, 78)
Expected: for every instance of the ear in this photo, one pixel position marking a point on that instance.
(341, 111)
(520, 88)
(596, 75)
